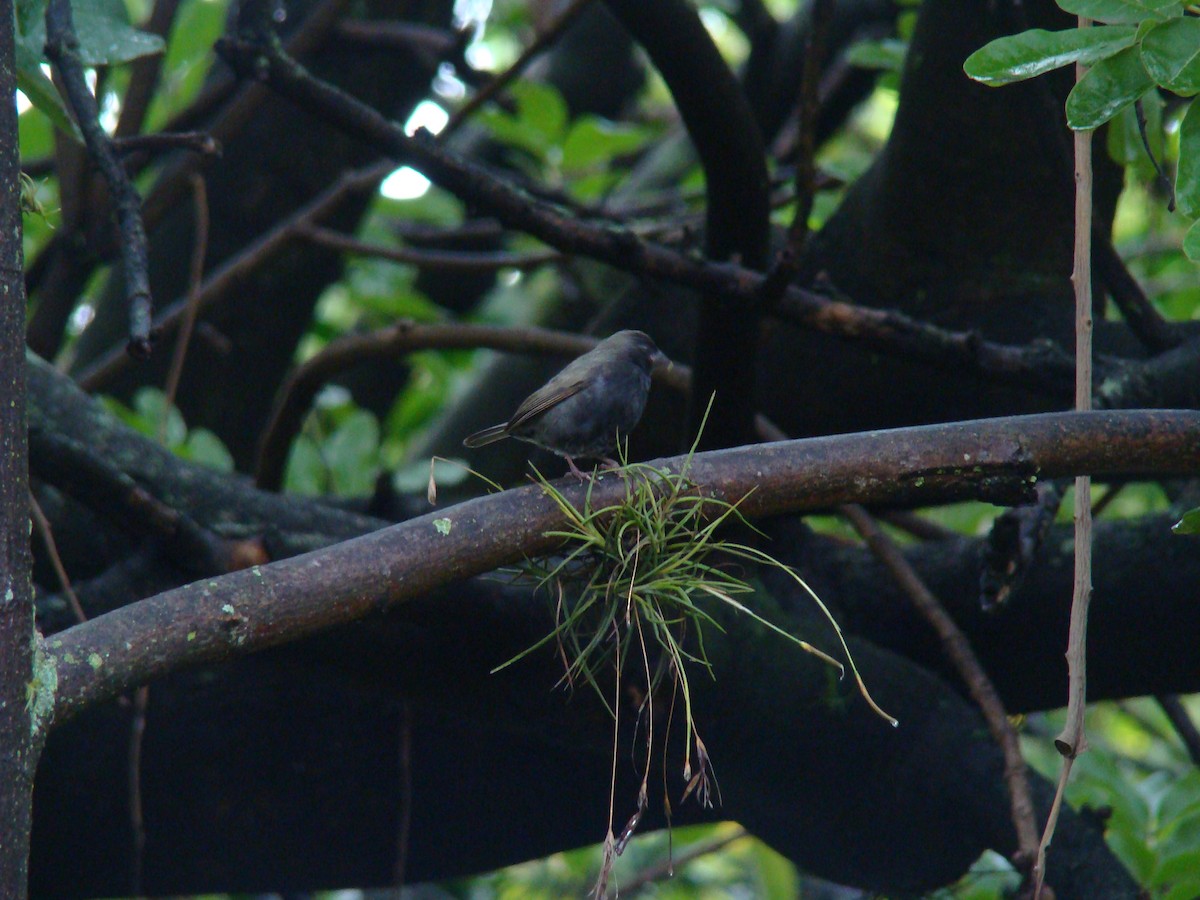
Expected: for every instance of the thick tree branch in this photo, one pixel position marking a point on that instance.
(267, 605)
(23, 698)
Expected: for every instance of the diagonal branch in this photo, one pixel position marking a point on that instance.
(259, 607)
(62, 47)
(1041, 366)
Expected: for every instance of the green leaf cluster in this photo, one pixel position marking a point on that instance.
(1138, 48)
(151, 415)
(578, 154)
(339, 451)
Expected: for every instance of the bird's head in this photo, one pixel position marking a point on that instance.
(640, 348)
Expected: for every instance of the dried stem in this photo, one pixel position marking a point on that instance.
(1072, 741)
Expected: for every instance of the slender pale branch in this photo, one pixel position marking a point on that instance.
(1072, 741)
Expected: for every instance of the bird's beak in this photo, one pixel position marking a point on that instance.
(661, 362)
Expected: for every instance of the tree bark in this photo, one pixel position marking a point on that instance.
(24, 696)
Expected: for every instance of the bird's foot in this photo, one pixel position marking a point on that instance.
(575, 469)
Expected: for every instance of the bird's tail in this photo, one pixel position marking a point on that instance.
(487, 436)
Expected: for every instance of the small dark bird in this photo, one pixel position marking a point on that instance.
(587, 407)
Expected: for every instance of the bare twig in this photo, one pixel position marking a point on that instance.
(47, 534)
(223, 281)
(100, 485)
(62, 47)
(1164, 182)
(787, 263)
(462, 261)
(1146, 322)
(195, 275)
(196, 141)
(430, 44)
(1072, 741)
(918, 526)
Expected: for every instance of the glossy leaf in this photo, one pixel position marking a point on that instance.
(1187, 173)
(542, 108)
(102, 26)
(106, 37)
(1106, 89)
(41, 92)
(1191, 246)
(1171, 54)
(205, 448)
(886, 55)
(352, 453)
(306, 471)
(1034, 52)
(1123, 11)
(1190, 523)
(1125, 144)
(187, 60)
(593, 140)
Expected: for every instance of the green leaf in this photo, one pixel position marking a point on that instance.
(1106, 89)
(352, 453)
(105, 35)
(1171, 54)
(1123, 11)
(1034, 52)
(1125, 144)
(41, 90)
(591, 188)
(188, 59)
(540, 122)
(1191, 246)
(29, 14)
(542, 108)
(1185, 890)
(102, 26)
(1187, 174)
(1180, 800)
(886, 55)
(593, 140)
(306, 471)
(513, 132)
(151, 407)
(1190, 523)
(205, 448)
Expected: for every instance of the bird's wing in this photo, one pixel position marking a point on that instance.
(554, 392)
